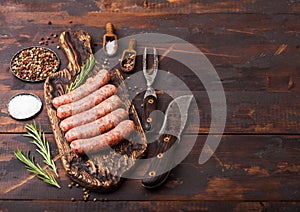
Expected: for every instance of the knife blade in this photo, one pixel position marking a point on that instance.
(150, 97)
(171, 130)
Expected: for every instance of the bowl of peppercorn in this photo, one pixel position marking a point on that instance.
(34, 64)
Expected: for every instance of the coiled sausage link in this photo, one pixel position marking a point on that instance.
(92, 114)
(92, 84)
(97, 127)
(97, 143)
(87, 102)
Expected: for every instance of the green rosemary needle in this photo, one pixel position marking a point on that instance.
(35, 168)
(42, 144)
(85, 69)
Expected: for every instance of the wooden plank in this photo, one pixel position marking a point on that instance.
(243, 168)
(218, 38)
(191, 26)
(269, 44)
(155, 6)
(236, 73)
(247, 112)
(257, 73)
(148, 206)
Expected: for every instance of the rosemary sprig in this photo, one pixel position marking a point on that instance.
(42, 144)
(85, 69)
(36, 168)
(43, 148)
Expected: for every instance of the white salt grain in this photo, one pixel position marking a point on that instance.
(24, 106)
(111, 47)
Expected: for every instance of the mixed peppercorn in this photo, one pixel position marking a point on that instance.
(128, 63)
(34, 64)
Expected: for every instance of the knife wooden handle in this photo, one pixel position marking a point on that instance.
(162, 163)
(150, 105)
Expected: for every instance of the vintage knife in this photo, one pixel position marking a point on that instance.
(150, 98)
(173, 125)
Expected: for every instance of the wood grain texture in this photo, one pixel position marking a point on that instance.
(247, 112)
(263, 168)
(254, 47)
(150, 206)
(155, 6)
(246, 53)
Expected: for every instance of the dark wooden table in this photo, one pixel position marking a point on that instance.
(254, 47)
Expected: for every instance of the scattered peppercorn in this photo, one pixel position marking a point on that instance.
(73, 199)
(86, 197)
(49, 23)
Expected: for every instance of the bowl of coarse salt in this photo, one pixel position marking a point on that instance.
(24, 106)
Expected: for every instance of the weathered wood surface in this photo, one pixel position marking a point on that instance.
(255, 57)
(157, 6)
(254, 47)
(163, 206)
(243, 168)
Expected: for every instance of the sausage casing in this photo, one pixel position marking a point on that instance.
(98, 143)
(86, 102)
(92, 84)
(92, 114)
(97, 127)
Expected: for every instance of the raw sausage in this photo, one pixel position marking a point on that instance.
(87, 102)
(92, 114)
(92, 84)
(97, 127)
(111, 138)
